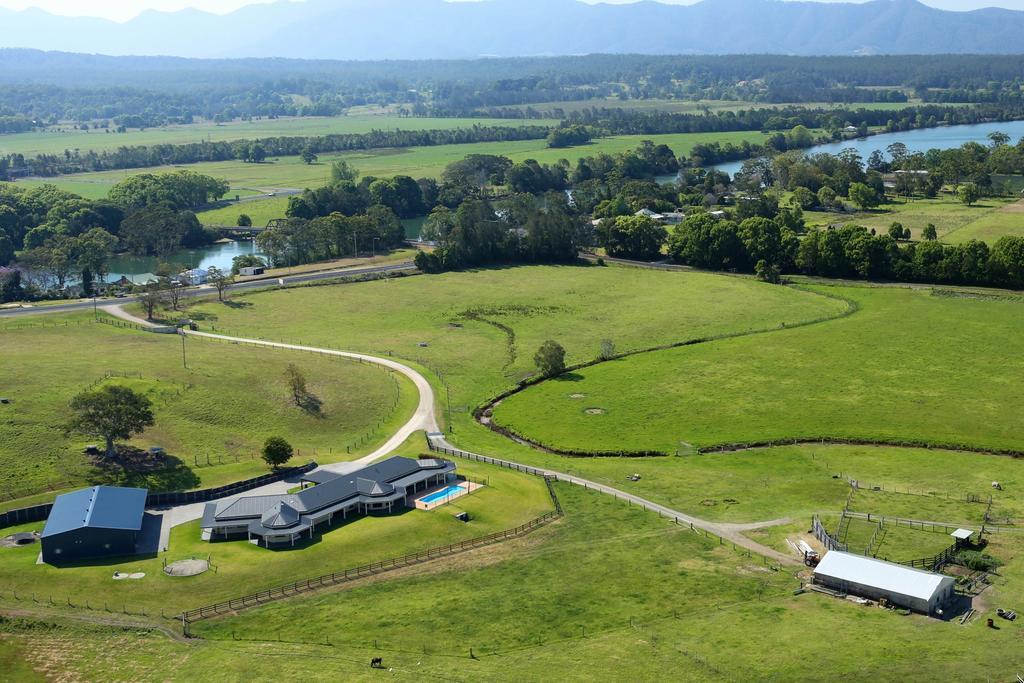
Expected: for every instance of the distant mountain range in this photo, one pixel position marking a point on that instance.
(434, 29)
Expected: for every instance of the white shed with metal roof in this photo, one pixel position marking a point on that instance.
(867, 577)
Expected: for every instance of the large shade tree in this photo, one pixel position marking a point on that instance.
(111, 412)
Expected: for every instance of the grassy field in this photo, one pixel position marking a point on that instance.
(798, 481)
(610, 591)
(509, 499)
(638, 598)
(261, 212)
(57, 139)
(1004, 220)
(954, 222)
(862, 376)
(291, 172)
(450, 322)
(229, 400)
(472, 606)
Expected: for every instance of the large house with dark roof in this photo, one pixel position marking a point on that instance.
(102, 521)
(284, 519)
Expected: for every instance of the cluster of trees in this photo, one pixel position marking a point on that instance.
(819, 180)
(570, 136)
(158, 104)
(16, 124)
(178, 190)
(301, 240)
(527, 229)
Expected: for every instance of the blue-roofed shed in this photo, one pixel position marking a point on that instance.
(102, 521)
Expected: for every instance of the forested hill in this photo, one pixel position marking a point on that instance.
(422, 29)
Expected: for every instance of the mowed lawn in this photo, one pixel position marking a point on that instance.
(223, 407)
(909, 365)
(449, 323)
(509, 499)
(56, 140)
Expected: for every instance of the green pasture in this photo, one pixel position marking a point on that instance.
(506, 602)
(637, 598)
(261, 212)
(1005, 220)
(509, 499)
(892, 542)
(610, 591)
(954, 222)
(430, 161)
(451, 322)
(219, 410)
(702, 644)
(796, 482)
(908, 365)
(57, 139)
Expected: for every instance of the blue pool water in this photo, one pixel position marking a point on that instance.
(442, 494)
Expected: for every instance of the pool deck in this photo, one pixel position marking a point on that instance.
(468, 487)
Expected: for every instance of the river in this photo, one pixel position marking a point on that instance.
(920, 140)
(219, 255)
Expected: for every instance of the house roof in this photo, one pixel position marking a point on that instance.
(379, 482)
(280, 516)
(99, 507)
(868, 571)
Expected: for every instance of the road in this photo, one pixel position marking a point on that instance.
(425, 419)
(209, 290)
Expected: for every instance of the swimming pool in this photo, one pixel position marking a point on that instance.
(446, 492)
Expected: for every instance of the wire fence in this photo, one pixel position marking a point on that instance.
(824, 537)
(618, 495)
(366, 570)
(655, 626)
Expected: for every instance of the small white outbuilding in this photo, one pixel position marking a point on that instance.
(867, 577)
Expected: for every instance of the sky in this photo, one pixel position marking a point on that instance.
(121, 10)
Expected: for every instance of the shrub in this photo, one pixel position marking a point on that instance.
(977, 560)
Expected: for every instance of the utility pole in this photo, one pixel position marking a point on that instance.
(184, 362)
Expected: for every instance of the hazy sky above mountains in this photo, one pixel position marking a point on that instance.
(125, 9)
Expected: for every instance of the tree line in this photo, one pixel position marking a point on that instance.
(256, 151)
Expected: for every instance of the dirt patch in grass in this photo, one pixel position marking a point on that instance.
(595, 411)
